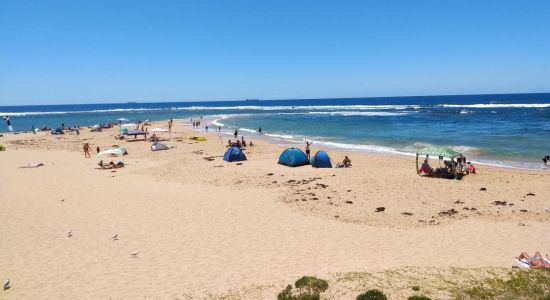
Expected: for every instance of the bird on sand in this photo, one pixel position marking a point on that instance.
(115, 237)
(69, 234)
(7, 284)
(134, 254)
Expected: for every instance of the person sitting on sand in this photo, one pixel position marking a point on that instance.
(536, 261)
(426, 168)
(105, 166)
(250, 144)
(471, 168)
(346, 163)
(86, 150)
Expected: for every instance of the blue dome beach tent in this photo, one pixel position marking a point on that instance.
(107, 124)
(321, 160)
(234, 154)
(293, 157)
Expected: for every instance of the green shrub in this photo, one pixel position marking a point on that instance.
(307, 288)
(372, 295)
(312, 284)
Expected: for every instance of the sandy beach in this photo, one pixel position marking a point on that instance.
(205, 228)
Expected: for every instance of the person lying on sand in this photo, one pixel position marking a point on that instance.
(536, 261)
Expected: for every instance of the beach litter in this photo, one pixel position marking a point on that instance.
(380, 209)
(32, 166)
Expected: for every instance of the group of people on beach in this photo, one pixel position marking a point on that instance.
(462, 165)
(239, 143)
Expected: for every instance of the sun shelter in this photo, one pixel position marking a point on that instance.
(293, 157)
(158, 147)
(107, 124)
(118, 151)
(441, 153)
(156, 131)
(136, 132)
(129, 125)
(234, 154)
(321, 160)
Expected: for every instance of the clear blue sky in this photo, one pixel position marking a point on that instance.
(91, 51)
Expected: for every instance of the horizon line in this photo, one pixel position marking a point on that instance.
(289, 99)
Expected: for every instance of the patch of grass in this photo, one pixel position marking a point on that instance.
(372, 295)
(531, 284)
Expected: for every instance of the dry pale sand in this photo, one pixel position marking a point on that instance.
(207, 228)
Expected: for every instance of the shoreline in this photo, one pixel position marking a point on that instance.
(203, 226)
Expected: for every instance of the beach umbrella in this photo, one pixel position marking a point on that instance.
(159, 130)
(123, 120)
(111, 151)
(123, 130)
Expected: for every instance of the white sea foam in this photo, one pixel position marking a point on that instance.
(243, 107)
(302, 107)
(498, 105)
(282, 136)
(359, 113)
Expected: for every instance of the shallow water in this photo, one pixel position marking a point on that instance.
(505, 130)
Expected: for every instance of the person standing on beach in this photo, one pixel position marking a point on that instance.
(8, 122)
(206, 128)
(97, 149)
(170, 125)
(86, 150)
(308, 144)
(260, 130)
(236, 134)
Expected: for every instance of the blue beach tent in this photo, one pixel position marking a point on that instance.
(293, 157)
(107, 124)
(321, 160)
(234, 154)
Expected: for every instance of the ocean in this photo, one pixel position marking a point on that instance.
(510, 130)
